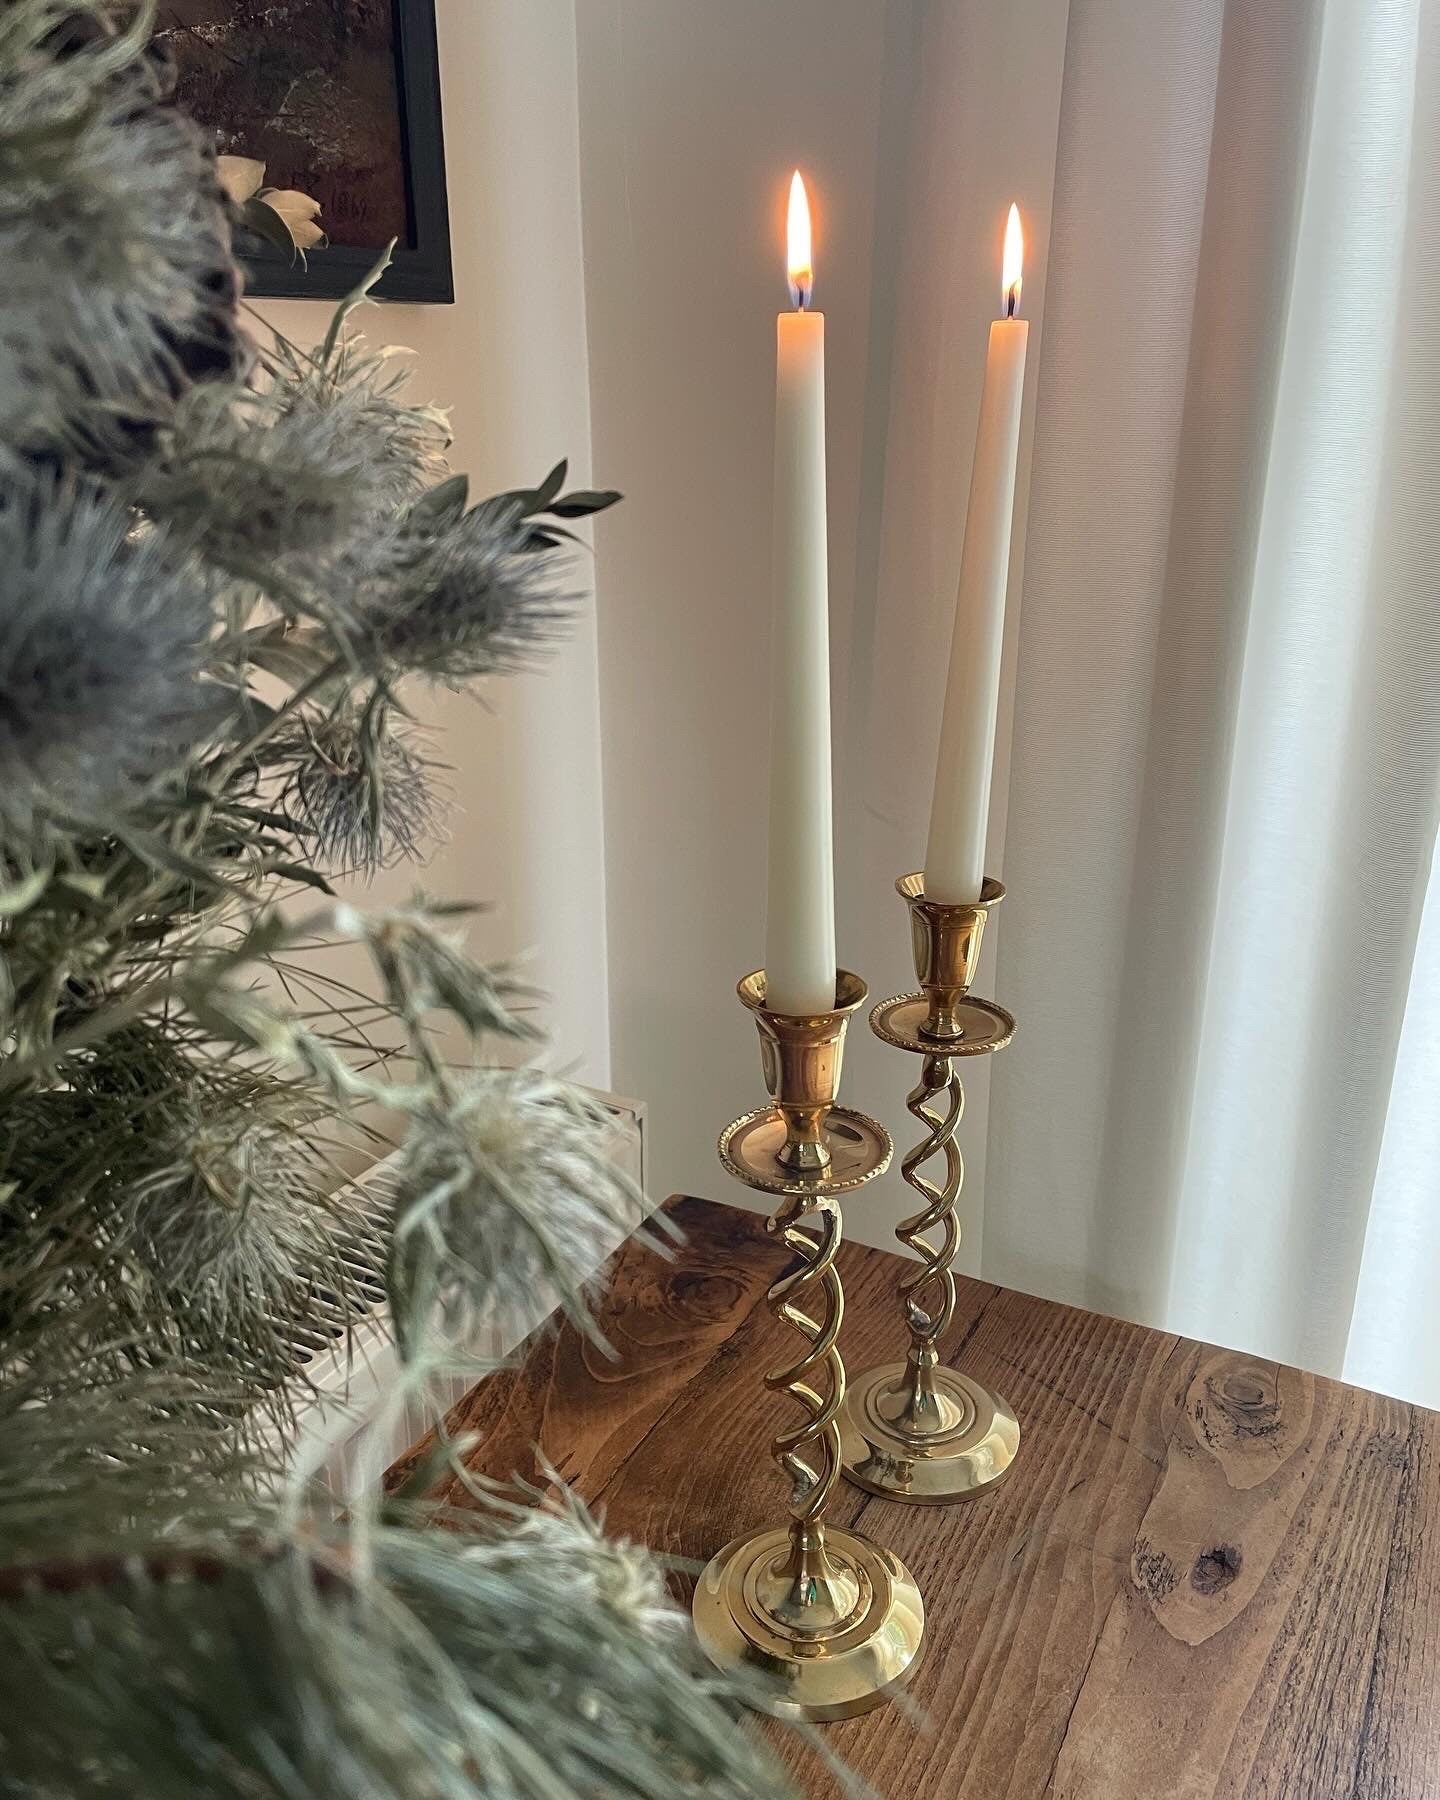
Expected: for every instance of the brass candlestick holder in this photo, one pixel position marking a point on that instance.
(915, 1430)
(833, 1621)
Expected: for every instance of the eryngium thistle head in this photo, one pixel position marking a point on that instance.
(424, 968)
(361, 392)
(506, 1196)
(101, 639)
(117, 286)
(359, 789)
(467, 601)
(228, 1205)
(248, 483)
(616, 1577)
(314, 459)
(236, 1248)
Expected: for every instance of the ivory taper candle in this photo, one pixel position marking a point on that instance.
(960, 809)
(800, 902)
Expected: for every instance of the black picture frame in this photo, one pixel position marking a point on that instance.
(421, 270)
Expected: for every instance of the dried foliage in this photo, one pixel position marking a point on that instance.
(363, 788)
(117, 287)
(220, 561)
(103, 640)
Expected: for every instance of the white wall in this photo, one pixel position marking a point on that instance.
(509, 360)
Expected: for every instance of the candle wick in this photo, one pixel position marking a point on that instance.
(1010, 304)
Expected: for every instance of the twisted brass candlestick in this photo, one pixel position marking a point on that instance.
(915, 1430)
(834, 1621)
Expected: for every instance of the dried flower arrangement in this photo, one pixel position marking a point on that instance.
(220, 563)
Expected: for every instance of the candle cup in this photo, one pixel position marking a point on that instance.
(917, 1431)
(829, 1623)
(801, 1056)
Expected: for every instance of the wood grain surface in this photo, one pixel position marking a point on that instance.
(1206, 1576)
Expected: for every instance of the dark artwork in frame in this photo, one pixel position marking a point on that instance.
(340, 99)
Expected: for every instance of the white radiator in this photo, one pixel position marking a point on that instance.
(351, 1427)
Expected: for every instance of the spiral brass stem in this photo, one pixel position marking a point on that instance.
(810, 1484)
(934, 1280)
(919, 1430)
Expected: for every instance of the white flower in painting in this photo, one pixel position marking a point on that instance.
(298, 211)
(277, 214)
(241, 176)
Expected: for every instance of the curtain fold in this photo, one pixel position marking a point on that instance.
(1221, 811)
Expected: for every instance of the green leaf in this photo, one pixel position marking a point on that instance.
(266, 223)
(298, 872)
(585, 501)
(279, 649)
(254, 715)
(155, 853)
(91, 886)
(550, 486)
(526, 500)
(443, 505)
(356, 297)
(262, 816)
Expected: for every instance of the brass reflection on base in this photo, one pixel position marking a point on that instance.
(828, 1622)
(867, 1650)
(959, 1442)
(915, 1430)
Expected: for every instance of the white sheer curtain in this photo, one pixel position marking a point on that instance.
(1217, 801)
(1220, 1113)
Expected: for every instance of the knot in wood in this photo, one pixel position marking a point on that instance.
(1249, 1401)
(1215, 1569)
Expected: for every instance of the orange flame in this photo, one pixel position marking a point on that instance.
(799, 263)
(1011, 279)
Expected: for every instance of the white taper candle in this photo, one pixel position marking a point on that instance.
(800, 904)
(960, 808)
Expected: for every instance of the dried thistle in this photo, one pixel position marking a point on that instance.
(117, 285)
(361, 390)
(249, 481)
(226, 1217)
(102, 637)
(181, 1212)
(379, 1660)
(215, 574)
(359, 788)
(423, 966)
(506, 1192)
(472, 601)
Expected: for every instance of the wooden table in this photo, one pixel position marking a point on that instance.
(1207, 1575)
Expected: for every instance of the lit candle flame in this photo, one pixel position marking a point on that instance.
(801, 268)
(1011, 259)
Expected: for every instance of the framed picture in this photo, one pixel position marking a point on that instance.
(340, 100)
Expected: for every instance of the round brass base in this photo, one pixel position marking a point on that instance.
(968, 1452)
(745, 1618)
(859, 1146)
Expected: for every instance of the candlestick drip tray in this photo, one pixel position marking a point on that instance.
(984, 1026)
(859, 1147)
